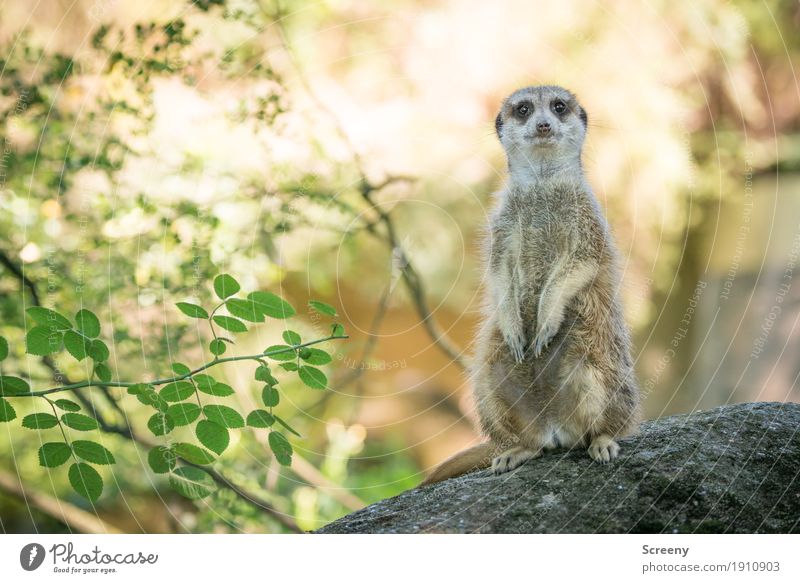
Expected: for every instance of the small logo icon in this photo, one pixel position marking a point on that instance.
(31, 556)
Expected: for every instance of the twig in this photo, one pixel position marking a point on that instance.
(24, 279)
(305, 470)
(410, 276)
(156, 382)
(69, 514)
(127, 432)
(372, 339)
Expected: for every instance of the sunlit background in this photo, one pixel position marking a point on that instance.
(345, 151)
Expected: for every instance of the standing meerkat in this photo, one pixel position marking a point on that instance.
(553, 365)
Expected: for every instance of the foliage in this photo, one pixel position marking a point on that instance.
(170, 398)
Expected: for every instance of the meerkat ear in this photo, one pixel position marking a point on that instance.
(584, 117)
(498, 124)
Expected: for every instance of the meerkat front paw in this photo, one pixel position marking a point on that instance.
(603, 449)
(512, 458)
(517, 343)
(547, 329)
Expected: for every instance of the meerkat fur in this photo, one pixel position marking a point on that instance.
(553, 364)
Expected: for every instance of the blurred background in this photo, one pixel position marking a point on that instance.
(344, 150)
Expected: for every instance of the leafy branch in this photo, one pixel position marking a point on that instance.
(172, 402)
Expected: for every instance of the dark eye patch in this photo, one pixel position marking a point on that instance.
(559, 107)
(523, 109)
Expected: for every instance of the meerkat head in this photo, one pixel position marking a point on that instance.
(541, 125)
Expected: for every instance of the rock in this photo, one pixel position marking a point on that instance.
(734, 469)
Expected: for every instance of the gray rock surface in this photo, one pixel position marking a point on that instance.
(733, 469)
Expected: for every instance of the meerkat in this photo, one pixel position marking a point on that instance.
(553, 363)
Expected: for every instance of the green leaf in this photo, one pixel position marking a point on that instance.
(290, 366)
(98, 350)
(192, 453)
(88, 323)
(39, 421)
(79, 421)
(213, 435)
(230, 324)
(224, 416)
(217, 347)
(48, 318)
(218, 390)
(337, 330)
(323, 308)
(244, 309)
(147, 395)
(161, 459)
(93, 452)
(192, 310)
(76, 344)
(140, 388)
(53, 454)
(313, 377)
(86, 481)
(225, 286)
(67, 405)
(7, 412)
(191, 482)
(177, 391)
(291, 337)
(160, 424)
(3, 348)
(103, 372)
(41, 341)
(180, 368)
(316, 356)
(264, 374)
(282, 352)
(271, 305)
(286, 425)
(204, 381)
(260, 418)
(13, 386)
(270, 396)
(183, 413)
(281, 447)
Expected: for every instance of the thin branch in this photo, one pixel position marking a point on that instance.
(75, 518)
(306, 470)
(250, 497)
(372, 336)
(410, 276)
(128, 433)
(24, 279)
(156, 382)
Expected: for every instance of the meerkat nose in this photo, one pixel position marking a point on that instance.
(543, 128)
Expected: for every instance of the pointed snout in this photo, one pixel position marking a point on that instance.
(543, 128)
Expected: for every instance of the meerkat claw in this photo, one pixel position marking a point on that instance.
(542, 340)
(512, 459)
(517, 346)
(603, 449)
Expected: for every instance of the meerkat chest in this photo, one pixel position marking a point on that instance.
(537, 240)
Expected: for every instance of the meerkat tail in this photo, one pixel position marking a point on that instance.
(476, 457)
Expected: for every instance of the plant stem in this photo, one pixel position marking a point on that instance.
(84, 384)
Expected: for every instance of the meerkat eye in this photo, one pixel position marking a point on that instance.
(559, 106)
(523, 109)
